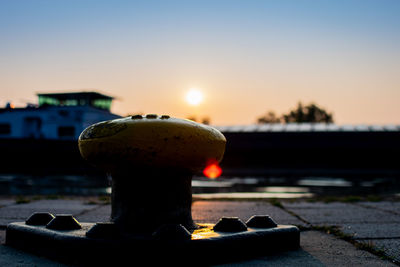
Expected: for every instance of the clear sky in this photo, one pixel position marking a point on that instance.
(247, 57)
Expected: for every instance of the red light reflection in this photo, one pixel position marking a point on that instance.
(212, 170)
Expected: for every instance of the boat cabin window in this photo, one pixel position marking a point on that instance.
(92, 99)
(44, 100)
(66, 131)
(102, 103)
(5, 128)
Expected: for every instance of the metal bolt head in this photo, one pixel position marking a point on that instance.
(261, 221)
(230, 224)
(64, 222)
(151, 116)
(137, 117)
(39, 218)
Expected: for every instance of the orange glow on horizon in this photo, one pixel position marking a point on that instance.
(212, 170)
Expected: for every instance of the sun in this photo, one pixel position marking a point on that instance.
(194, 97)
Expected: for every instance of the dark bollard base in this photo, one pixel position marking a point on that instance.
(205, 246)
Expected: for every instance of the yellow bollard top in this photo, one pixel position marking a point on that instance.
(151, 141)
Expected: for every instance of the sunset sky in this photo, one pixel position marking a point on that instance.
(246, 57)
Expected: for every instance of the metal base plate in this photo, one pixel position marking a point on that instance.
(205, 247)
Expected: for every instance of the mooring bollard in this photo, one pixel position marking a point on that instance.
(151, 160)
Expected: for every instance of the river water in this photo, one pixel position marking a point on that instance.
(220, 188)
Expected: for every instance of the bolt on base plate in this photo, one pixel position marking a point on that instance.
(204, 245)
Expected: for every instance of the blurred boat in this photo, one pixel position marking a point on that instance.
(43, 137)
(57, 116)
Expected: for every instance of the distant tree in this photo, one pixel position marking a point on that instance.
(309, 113)
(204, 120)
(133, 114)
(269, 117)
(192, 118)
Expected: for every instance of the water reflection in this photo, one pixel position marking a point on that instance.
(295, 187)
(223, 187)
(17, 184)
(250, 195)
(255, 191)
(323, 181)
(212, 184)
(283, 189)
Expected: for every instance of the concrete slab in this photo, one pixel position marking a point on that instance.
(340, 213)
(13, 257)
(100, 213)
(393, 207)
(212, 211)
(391, 247)
(335, 252)
(6, 201)
(372, 230)
(288, 258)
(319, 249)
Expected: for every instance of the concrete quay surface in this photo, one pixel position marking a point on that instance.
(332, 234)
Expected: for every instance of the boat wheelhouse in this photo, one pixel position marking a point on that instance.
(60, 116)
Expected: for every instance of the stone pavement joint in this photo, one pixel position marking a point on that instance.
(293, 214)
(84, 212)
(371, 227)
(383, 206)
